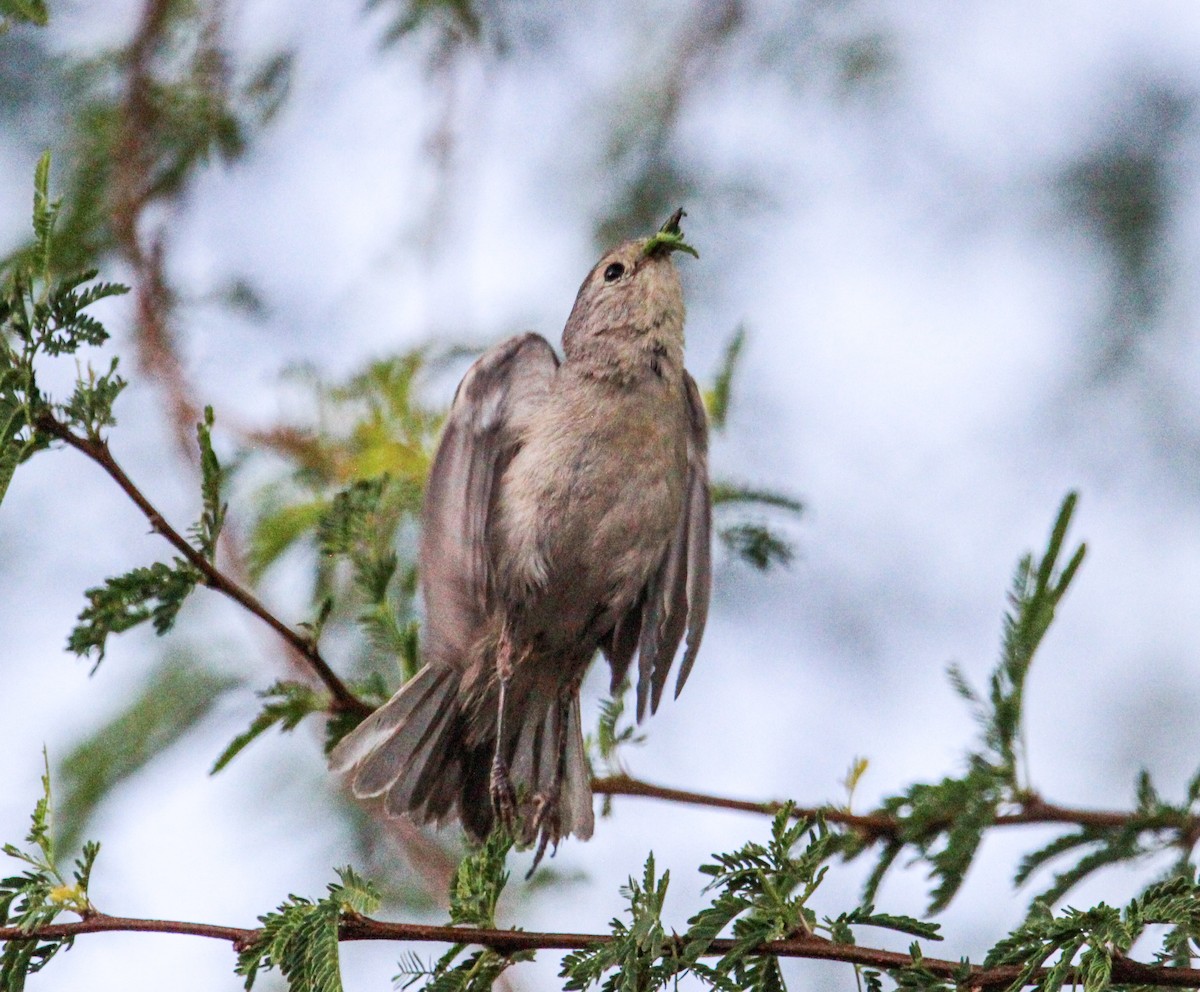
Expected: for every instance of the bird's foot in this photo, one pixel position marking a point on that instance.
(543, 823)
(504, 797)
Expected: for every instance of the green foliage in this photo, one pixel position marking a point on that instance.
(478, 882)
(729, 494)
(455, 19)
(917, 977)
(753, 540)
(91, 403)
(287, 703)
(360, 525)
(279, 527)
(474, 892)
(641, 956)
(154, 592)
(757, 893)
(355, 482)
(669, 238)
(612, 735)
(716, 398)
(946, 821)
(764, 890)
(353, 490)
(212, 516)
(762, 894)
(37, 896)
(1154, 826)
(1038, 586)
(43, 312)
(192, 105)
(475, 973)
(756, 544)
(351, 527)
(1079, 946)
(23, 11)
(179, 692)
(301, 937)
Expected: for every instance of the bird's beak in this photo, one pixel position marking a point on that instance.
(669, 238)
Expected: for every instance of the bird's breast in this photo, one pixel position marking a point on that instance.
(587, 505)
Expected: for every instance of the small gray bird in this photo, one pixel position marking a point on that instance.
(567, 510)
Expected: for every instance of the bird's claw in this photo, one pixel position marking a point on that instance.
(543, 824)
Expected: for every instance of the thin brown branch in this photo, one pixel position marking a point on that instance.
(883, 826)
(1124, 971)
(343, 700)
(101, 923)
(132, 191)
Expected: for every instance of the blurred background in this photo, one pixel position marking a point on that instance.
(961, 239)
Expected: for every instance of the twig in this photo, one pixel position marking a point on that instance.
(133, 188)
(1124, 970)
(343, 700)
(883, 826)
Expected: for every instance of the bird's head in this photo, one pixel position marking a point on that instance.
(631, 300)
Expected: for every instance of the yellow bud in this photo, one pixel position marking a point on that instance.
(65, 894)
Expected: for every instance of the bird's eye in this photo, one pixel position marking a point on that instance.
(614, 272)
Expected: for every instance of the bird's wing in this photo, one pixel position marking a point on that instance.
(699, 528)
(476, 444)
(675, 599)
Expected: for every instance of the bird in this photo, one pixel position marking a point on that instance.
(567, 511)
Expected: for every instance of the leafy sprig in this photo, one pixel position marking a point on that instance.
(207, 529)
(43, 313)
(301, 937)
(762, 895)
(1037, 589)
(764, 891)
(285, 706)
(1081, 946)
(641, 956)
(613, 734)
(945, 821)
(156, 592)
(474, 892)
(35, 898)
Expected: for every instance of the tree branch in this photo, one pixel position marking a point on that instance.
(883, 826)
(1124, 971)
(343, 700)
(132, 191)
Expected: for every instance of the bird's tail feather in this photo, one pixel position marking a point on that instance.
(390, 744)
(534, 763)
(380, 725)
(576, 813)
(415, 751)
